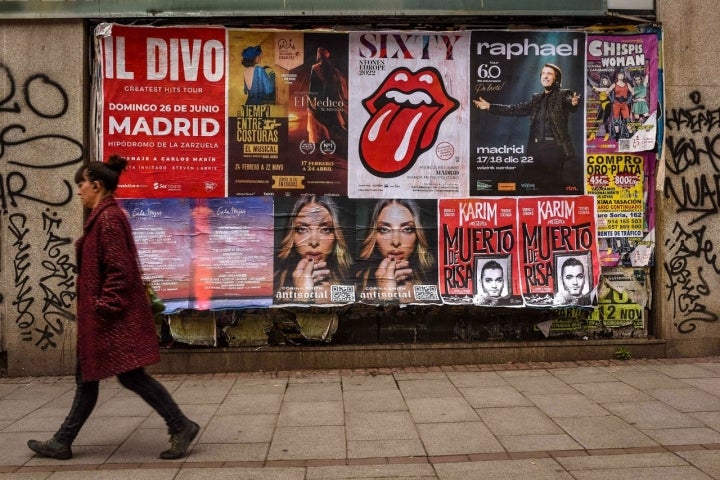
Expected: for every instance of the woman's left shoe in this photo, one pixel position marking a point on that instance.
(179, 442)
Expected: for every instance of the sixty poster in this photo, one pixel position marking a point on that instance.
(408, 115)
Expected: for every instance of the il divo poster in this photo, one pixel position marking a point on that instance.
(163, 108)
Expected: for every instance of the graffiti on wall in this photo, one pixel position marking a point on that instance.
(692, 184)
(33, 187)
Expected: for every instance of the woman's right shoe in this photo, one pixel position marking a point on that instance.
(51, 448)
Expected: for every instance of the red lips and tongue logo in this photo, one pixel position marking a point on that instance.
(406, 112)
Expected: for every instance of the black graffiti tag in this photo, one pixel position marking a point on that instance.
(689, 292)
(24, 153)
(15, 143)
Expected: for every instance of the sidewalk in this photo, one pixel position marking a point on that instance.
(637, 419)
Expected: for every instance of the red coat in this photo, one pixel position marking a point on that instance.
(116, 332)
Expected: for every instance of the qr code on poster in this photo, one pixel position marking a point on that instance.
(426, 293)
(342, 293)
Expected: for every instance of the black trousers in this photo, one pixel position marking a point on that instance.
(149, 389)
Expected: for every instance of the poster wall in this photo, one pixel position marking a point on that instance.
(408, 114)
(163, 108)
(517, 79)
(279, 167)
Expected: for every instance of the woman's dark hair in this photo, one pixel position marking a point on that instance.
(106, 173)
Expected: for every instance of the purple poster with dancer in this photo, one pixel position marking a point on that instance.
(622, 87)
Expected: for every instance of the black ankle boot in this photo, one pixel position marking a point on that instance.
(179, 442)
(51, 448)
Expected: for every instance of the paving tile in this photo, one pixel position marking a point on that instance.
(652, 414)
(368, 383)
(603, 432)
(291, 443)
(539, 469)
(107, 431)
(712, 366)
(539, 384)
(483, 397)
(141, 446)
(452, 409)
(648, 379)
(458, 438)
(687, 399)
(419, 375)
(373, 400)
(707, 461)
(476, 379)
(685, 370)
(311, 413)
(646, 473)
(518, 421)
(203, 390)
(380, 426)
(582, 375)
(711, 419)
(427, 388)
(629, 460)
(385, 448)
(247, 403)
(239, 429)
(229, 452)
(147, 474)
(547, 442)
(16, 409)
(567, 405)
(123, 407)
(611, 392)
(35, 391)
(419, 471)
(259, 386)
(313, 392)
(709, 385)
(684, 436)
(290, 473)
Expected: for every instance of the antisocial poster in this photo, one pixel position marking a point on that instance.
(396, 260)
(408, 115)
(314, 250)
(517, 79)
(478, 249)
(559, 263)
(622, 86)
(163, 108)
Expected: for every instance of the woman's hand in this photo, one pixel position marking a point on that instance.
(307, 275)
(394, 275)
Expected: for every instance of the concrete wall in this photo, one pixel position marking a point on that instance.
(43, 110)
(687, 283)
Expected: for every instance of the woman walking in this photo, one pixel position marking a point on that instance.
(116, 332)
